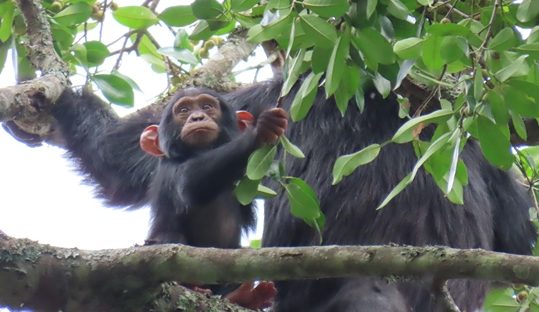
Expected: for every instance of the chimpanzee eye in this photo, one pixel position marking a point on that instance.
(207, 107)
(183, 109)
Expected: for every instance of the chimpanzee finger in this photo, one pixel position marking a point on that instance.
(273, 121)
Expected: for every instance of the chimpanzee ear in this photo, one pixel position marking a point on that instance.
(245, 119)
(149, 141)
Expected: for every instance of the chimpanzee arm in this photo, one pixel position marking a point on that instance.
(205, 176)
(106, 148)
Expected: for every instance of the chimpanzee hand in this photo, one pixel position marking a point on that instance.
(270, 125)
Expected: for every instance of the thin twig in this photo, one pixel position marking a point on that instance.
(489, 29)
(444, 297)
(427, 100)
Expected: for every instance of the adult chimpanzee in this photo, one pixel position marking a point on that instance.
(201, 154)
(494, 216)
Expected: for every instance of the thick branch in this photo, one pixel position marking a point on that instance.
(29, 267)
(215, 73)
(28, 98)
(23, 101)
(40, 44)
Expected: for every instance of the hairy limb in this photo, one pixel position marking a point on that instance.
(106, 148)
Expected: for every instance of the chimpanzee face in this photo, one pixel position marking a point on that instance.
(198, 116)
(194, 120)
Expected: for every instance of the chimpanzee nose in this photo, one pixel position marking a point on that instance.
(197, 117)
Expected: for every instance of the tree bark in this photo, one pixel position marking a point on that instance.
(58, 278)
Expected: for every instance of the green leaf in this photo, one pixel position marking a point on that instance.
(246, 190)
(278, 4)
(434, 147)
(347, 87)
(528, 48)
(303, 201)
(96, 53)
(294, 72)
(371, 7)
(207, 9)
(519, 99)
(494, 142)
(337, 61)
(135, 17)
(181, 15)
(303, 101)
(431, 53)
(374, 47)
(182, 55)
(74, 14)
(382, 85)
(8, 14)
(519, 126)
(291, 148)
(405, 132)
(454, 49)
(320, 59)
(181, 41)
(327, 8)
(528, 88)
(396, 190)
(527, 10)
(25, 70)
(146, 46)
(273, 30)
(347, 164)
(255, 243)
(260, 161)
(202, 31)
(497, 107)
(449, 29)
(158, 65)
(478, 85)
(500, 300)
(456, 195)
(503, 40)
(242, 5)
(4, 48)
(265, 192)
(409, 48)
(130, 81)
(115, 89)
(453, 168)
(319, 31)
(359, 97)
(514, 69)
(398, 9)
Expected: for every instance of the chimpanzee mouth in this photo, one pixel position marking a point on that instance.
(200, 130)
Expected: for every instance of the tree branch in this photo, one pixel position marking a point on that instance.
(214, 74)
(24, 101)
(30, 268)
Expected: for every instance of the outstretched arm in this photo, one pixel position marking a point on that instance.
(105, 147)
(204, 176)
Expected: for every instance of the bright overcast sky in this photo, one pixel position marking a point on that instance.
(45, 199)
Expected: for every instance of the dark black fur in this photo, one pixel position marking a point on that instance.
(494, 217)
(191, 191)
(106, 148)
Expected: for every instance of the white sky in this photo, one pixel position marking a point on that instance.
(44, 199)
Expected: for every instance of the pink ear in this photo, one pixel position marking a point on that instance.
(149, 141)
(245, 119)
